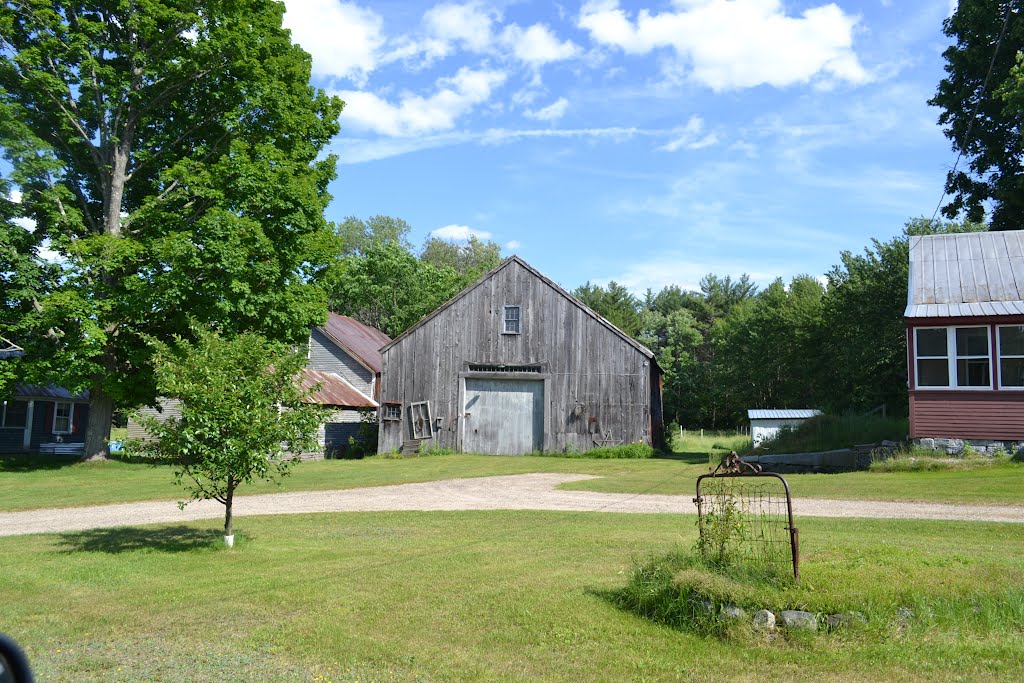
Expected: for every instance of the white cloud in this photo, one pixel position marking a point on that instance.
(732, 44)
(415, 114)
(537, 45)
(15, 196)
(690, 136)
(467, 25)
(459, 233)
(512, 245)
(344, 39)
(552, 112)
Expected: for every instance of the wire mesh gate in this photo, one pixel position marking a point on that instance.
(745, 516)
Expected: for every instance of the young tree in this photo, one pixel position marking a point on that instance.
(178, 172)
(978, 113)
(242, 414)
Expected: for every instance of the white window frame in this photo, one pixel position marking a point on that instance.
(419, 418)
(952, 358)
(506, 320)
(71, 416)
(1000, 356)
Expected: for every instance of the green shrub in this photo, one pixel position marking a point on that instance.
(626, 451)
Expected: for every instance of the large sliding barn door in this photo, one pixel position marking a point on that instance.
(503, 416)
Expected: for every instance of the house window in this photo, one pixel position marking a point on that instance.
(953, 357)
(392, 411)
(63, 412)
(14, 414)
(419, 413)
(511, 320)
(1011, 356)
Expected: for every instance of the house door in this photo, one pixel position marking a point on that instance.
(503, 416)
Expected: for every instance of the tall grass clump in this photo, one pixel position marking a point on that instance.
(629, 451)
(916, 459)
(832, 432)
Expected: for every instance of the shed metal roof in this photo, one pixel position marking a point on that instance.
(361, 341)
(782, 414)
(969, 274)
(334, 390)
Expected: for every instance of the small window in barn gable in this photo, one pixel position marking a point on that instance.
(512, 320)
(1011, 356)
(392, 411)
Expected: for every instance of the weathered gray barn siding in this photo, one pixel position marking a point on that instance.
(327, 356)
(598, 386)
(165, 409)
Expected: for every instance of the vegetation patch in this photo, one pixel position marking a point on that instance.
(915, 459)
(681, 590)
(629, 451)
(832, 432)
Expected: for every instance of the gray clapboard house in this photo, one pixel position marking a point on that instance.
(515, 364)
(344, 362)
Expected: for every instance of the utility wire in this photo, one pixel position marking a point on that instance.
(977, 105)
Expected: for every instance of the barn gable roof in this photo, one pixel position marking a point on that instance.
(536, 273)
(969, 274)
(360, 341)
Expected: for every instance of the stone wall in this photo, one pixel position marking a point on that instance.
(980, 446)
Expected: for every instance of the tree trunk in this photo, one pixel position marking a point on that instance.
(229, 535)
(97, 429)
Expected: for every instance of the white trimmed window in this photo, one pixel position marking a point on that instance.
(63, 414)
(1010, 342)
(511, 320)
(953, 357)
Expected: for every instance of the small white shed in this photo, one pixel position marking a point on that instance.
(765, 424)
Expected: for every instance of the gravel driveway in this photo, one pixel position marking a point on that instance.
(514, 492)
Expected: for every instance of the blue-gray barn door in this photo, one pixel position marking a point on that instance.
(503, 416)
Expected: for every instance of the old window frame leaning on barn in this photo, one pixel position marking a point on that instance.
(512, 323)
(6, 414)
(956, 356)
(391, 411)
(1016, 376)
(70, 417)
(419, 416)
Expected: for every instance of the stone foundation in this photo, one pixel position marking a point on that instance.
(979, 446)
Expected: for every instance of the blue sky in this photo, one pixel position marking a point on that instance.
(649, 143)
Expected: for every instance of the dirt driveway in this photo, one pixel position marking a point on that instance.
(514, 492)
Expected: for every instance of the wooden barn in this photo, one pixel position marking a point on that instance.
(965, 337)
(515, 364)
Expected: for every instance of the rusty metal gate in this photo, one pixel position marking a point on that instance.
(744, 517)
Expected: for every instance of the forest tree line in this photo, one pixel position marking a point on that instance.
(837, 343)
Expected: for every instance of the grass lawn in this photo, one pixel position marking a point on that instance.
(485, 596)
(46, 481)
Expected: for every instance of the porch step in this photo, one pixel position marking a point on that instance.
(411, 446)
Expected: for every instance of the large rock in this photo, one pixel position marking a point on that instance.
(764, 620)
(733, 613)
(798, 620)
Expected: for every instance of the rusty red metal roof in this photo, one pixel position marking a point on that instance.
(362, 341)
(334, 390)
